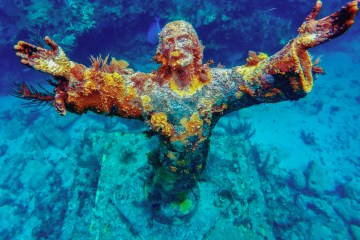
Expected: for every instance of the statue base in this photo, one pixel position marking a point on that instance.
(120, 209)
(146, 221)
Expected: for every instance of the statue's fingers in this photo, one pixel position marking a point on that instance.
(27, 51)
(346, 13)
(24, 45)
(338, 22)
(17, 47)
(25, 62)
(21, 55)
(352, 9)
(344, 16)
(51, 43)
(24, 58)
(315, 11)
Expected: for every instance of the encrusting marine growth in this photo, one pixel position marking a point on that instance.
(184, 98)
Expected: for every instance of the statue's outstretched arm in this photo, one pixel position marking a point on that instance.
(288, 74)
(103, 88)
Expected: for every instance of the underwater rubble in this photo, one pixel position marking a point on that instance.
(86, 187)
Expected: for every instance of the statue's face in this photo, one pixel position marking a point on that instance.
(180, 49)
(179, 44)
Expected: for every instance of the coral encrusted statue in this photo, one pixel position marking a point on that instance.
(184, 98)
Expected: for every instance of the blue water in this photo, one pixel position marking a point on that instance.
(296, 176)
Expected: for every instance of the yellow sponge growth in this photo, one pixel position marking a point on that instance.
(159, 122)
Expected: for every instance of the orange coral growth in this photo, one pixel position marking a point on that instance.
(316, 69)
(205, 72)
(193, 125)
(106, 92)
(173, 169)
(219, 109)
(254, 58)
(98, 63)
(161, 58)
(273, 93)
(78, 71)
(294, 60)
(119, 66)
(130, 107)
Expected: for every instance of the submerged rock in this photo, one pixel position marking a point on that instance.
(35, 173)
(3, 149)
(56, 137)
(297, 179)
(319, 182)
(319, 229)
(349, 210)
(355, 232)
(351, 189)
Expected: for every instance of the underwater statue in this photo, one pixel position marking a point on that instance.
(183, 99)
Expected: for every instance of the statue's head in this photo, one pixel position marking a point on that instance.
(179, 46)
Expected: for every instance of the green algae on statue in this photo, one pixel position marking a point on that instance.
(183, 100)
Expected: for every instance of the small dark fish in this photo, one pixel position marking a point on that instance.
(149, 133)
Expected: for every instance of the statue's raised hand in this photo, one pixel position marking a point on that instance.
(314, 32)
(52, 61)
